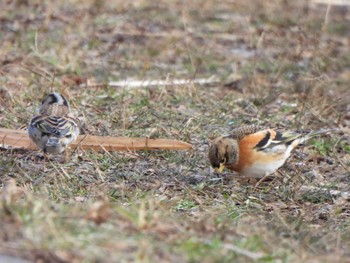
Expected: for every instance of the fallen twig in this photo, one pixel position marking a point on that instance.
(331, 2)
(12, 139)
(152, 83)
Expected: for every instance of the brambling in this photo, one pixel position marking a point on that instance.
(255, 151)
(54, 128)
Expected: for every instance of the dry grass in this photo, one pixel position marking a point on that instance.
(279, 65)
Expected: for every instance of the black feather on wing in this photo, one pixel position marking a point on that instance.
(54, 125)
(265, 141)
(281, 138)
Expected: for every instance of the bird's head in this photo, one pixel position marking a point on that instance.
(54, 104)
(223, 151)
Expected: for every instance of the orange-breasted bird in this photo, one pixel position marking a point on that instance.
(255, 151)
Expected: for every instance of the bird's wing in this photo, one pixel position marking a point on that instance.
(275, 140)
(56, 125)
(271, 138)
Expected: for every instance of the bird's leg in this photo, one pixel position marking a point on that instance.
(46, 157)
(246, 180)
(67, 154)
(262, 180)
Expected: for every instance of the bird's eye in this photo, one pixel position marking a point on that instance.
(68, 136)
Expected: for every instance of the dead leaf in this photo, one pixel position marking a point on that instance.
(11, 192)
(70, 80)
(99, 212)
(80, 199)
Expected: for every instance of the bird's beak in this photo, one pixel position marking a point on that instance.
(220, 169)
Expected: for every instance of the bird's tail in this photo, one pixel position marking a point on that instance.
(305, 137)
(53, 142)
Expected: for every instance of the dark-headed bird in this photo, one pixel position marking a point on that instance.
(255, 151)
(54, 128)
